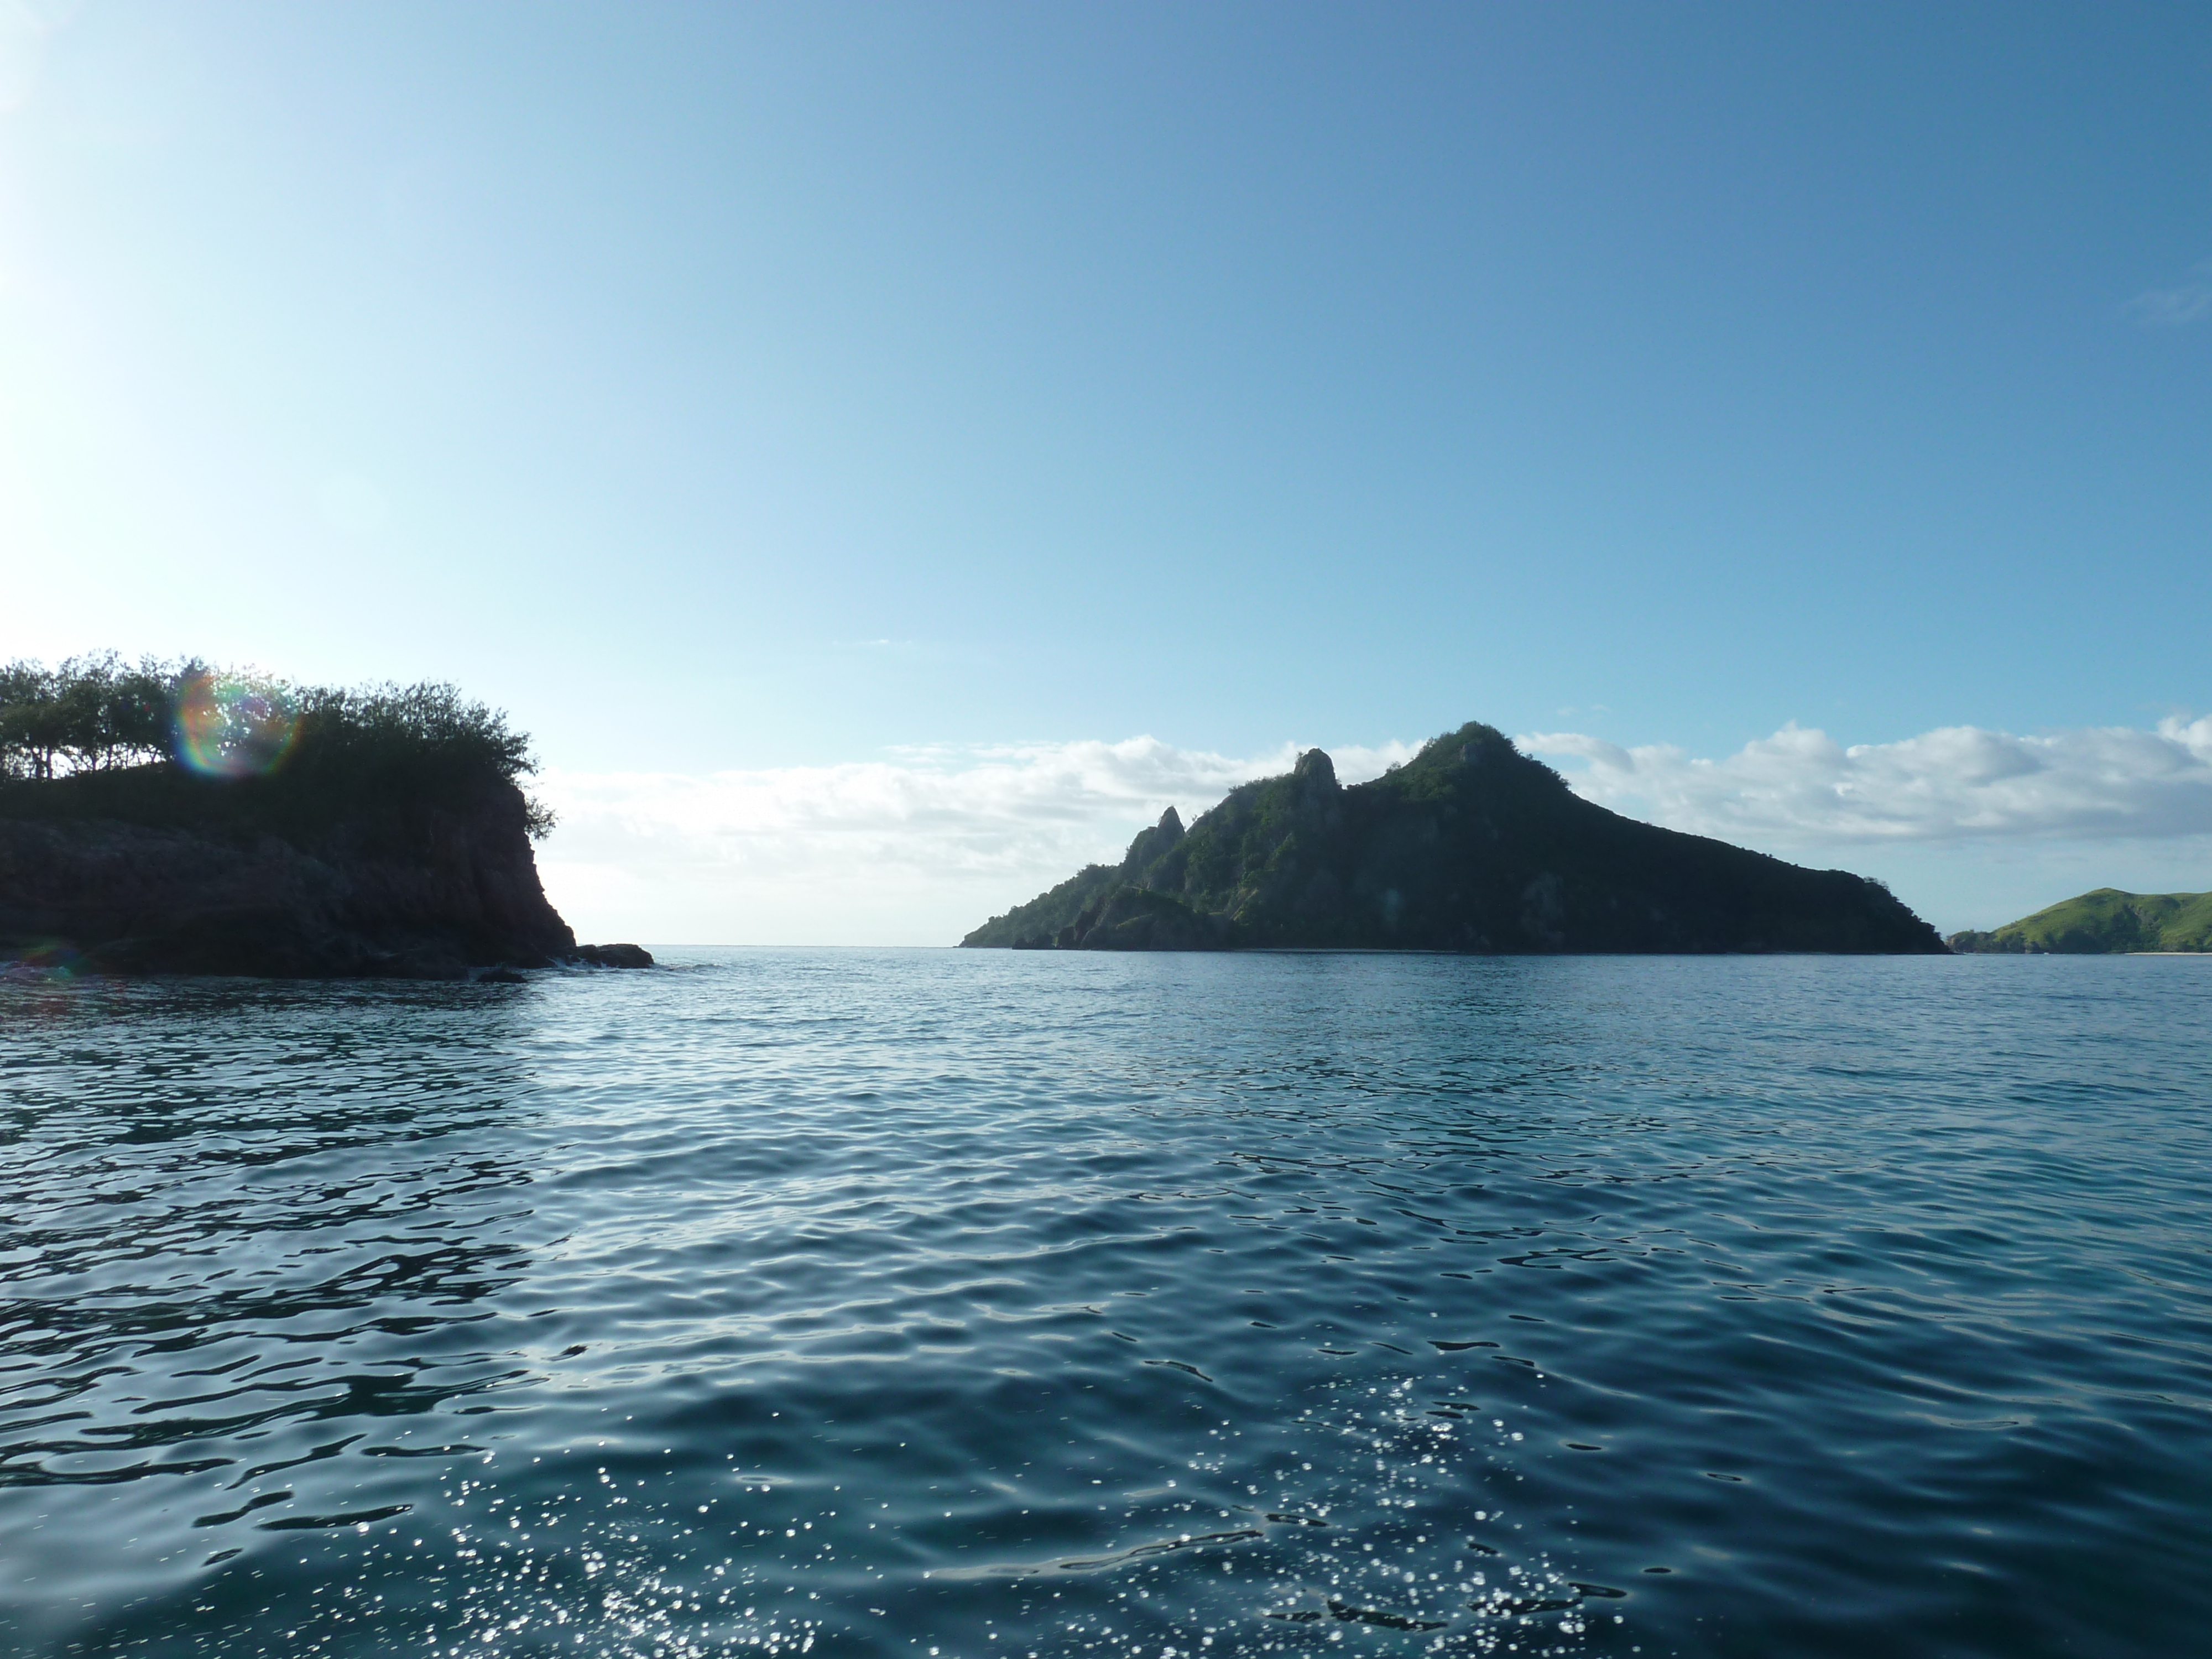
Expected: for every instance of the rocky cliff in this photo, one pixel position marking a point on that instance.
(1472, 846)
(159, 874)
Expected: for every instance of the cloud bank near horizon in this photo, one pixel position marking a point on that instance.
(1958, 783)
(925, 844)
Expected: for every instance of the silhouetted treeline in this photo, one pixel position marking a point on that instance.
(86, 714)
(96, 734)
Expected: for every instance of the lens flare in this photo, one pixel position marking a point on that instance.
(40, 959)
(234, 728)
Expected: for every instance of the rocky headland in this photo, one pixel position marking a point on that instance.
(388, 837)
(457, 892)
(1470, 846)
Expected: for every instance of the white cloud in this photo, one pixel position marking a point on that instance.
(1958, 783)
(2184, 304)
(916, 849)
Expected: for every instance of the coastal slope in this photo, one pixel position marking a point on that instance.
(1472, 846)
(2104, 922)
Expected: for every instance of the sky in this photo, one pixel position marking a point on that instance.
(885, 453)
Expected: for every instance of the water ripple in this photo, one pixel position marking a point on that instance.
(959, 1303)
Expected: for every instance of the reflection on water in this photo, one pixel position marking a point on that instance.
(960, 1303)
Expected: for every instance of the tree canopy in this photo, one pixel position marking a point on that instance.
(93, 715)
(85, 714)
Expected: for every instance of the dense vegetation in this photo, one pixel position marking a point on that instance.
(1472, 846)
(182, 743)
(2106, 923)
(89, 714)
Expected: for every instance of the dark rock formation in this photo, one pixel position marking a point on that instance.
(1471, 847)
(429, 890)
(613, 956)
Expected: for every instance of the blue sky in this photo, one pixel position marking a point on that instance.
(777, 389)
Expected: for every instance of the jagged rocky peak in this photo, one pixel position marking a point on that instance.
(1151, 842)
(1314, 770)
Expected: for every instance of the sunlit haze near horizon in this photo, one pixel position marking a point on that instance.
(885, 455)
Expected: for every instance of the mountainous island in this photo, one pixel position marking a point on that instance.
(2106, 923)
(175, 819)
(1472, 846)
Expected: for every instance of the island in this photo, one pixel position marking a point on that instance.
(1472, 846)
(2104, 922)
(173, 819)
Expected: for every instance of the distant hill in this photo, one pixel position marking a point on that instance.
(1472, 846)
(2106, 923)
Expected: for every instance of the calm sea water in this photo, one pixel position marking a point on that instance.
(969, 1304)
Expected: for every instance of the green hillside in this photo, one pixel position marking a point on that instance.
(1472, 846)
(2103, 923)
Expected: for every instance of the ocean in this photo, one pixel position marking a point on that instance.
(959, 1305)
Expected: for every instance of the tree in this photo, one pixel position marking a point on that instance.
(90, 714)
(31, 720)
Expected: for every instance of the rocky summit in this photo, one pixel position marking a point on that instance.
(1470, 846)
